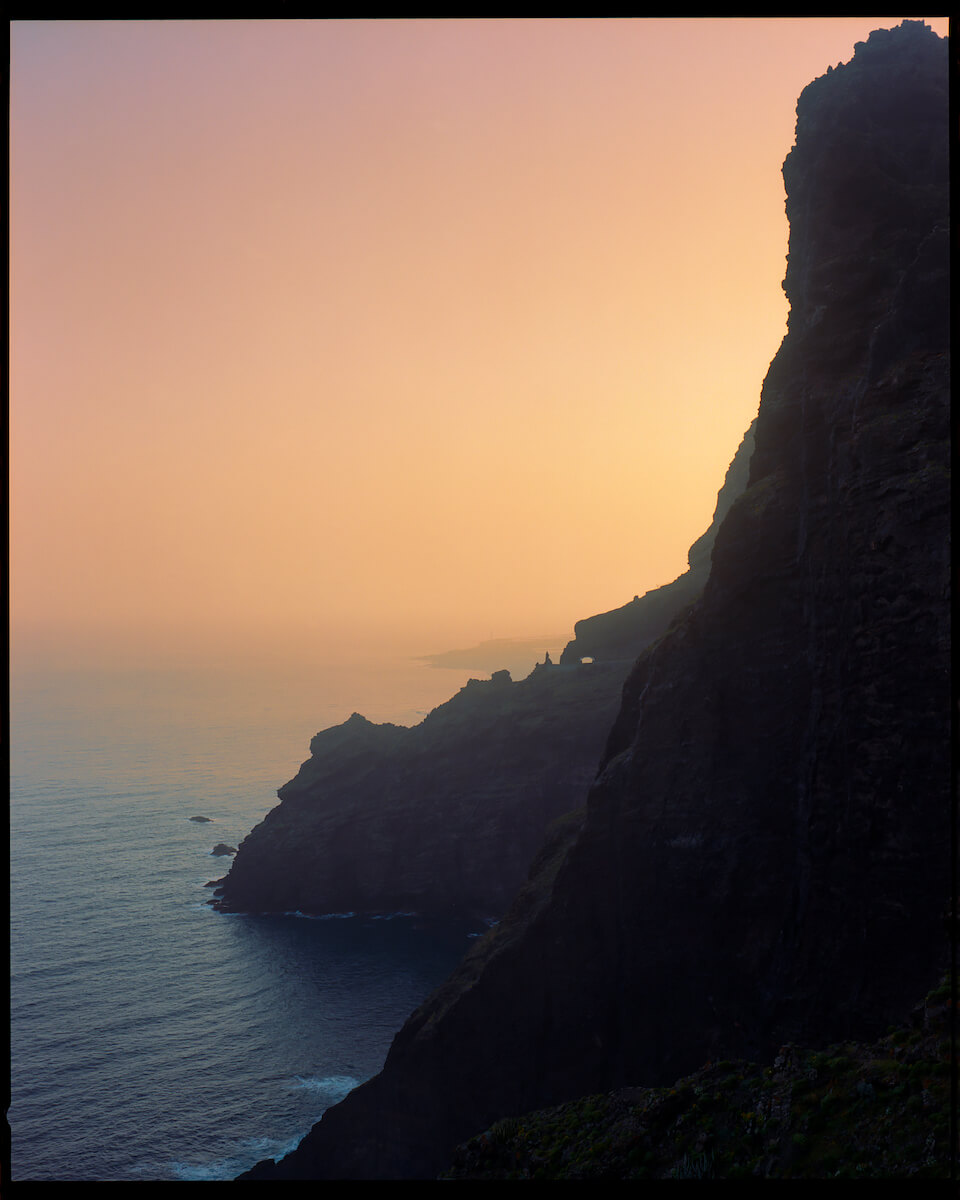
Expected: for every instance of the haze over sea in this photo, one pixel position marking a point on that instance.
(152, 1038)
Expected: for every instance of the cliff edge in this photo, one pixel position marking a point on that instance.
(765, 855)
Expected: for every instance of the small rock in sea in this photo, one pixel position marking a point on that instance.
(201, 819)
(223, 848)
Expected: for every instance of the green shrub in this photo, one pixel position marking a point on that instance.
(504, 1130)
(694, 1166)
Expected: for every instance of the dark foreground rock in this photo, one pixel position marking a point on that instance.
(765, 856)
(221, 848)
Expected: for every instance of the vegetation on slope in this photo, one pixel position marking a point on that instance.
(854, 1110)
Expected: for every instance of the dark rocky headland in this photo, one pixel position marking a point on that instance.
(443, 819)
(765, 854)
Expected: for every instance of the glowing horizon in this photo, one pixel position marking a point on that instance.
(442, 329)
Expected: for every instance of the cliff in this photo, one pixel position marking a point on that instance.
(446, 816)
(764, 857)
(442, 818)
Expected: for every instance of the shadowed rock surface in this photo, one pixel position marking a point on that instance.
(765, 856)
(442, 818)
(851, 1111)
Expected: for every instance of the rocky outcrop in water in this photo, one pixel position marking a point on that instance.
(764, 857)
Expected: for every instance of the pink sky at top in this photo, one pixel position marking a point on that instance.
(440, 330)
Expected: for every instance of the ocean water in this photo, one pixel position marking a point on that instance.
(152, 1038)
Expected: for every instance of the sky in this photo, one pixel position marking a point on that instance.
(425, 330)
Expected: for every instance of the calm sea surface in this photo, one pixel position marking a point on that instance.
(152, 1038)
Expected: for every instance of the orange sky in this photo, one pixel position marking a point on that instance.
(445, 330)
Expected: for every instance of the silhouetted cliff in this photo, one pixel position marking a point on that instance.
(764, 857)
(442, 818)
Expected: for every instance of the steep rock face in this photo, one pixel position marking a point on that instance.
(765, 855)
(445, 817)
(625, 631)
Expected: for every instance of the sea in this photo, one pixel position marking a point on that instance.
(152, 1038)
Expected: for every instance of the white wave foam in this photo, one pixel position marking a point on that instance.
(254, 1150)
(221, 1169)
(332, 1087)
(263, 1147)
(320, 916)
